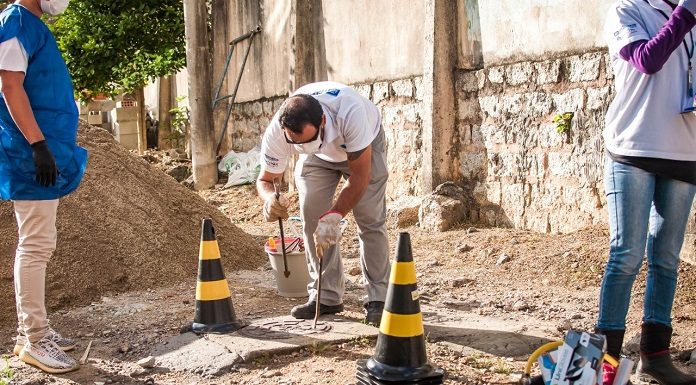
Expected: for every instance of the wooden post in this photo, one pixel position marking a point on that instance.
(200, 98)
(165, 118)
(142, 127)
(221, 45)
(307, 55)
(439, 110)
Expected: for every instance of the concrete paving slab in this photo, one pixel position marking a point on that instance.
(469, 333)
(215, 354)
(191, 353)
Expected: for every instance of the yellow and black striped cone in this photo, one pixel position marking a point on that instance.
(214, 310)
(400, 356)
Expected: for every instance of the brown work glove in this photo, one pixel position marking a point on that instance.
(275, 208)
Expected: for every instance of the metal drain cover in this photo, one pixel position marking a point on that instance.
(283, 329)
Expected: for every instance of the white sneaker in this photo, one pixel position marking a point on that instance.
(65, 344)
(47, 356)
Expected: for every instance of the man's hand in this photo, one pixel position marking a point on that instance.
(275, 208)
(328, 231)
(46, 170)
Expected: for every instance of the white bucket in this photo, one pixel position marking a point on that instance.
(295, 285)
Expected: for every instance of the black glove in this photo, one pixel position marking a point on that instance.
(46, 170)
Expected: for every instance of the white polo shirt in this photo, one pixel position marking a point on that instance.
(645, 119)
(352, 123)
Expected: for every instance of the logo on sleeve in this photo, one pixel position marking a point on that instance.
(271, 161)
(626, 31)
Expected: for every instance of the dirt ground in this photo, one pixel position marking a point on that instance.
(501, 274)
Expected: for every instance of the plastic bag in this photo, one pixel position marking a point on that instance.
(241, 167)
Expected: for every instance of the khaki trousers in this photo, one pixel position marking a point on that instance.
(317, 181)
(36, 221)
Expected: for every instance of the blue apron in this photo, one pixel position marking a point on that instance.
(50, 91)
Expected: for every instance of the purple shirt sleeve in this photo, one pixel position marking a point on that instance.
(648, 56)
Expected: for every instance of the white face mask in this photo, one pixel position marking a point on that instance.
(309, 148)
(54, 7)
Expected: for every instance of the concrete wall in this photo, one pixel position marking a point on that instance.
(363, 41)
(516, 30)
(373, 40)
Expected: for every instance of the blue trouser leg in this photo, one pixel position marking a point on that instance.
(668, 219)
(642, 209)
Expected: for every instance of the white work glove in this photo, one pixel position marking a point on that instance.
(688, 4)
(275, 208)
(328, 231)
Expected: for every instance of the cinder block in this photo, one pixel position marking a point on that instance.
(125, 128)
(124, 114)
(95, 117)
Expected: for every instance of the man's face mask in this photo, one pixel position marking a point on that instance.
(309, 148)
(54, 7)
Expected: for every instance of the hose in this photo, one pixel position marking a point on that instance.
(548, 347)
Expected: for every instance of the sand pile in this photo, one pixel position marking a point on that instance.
(128, 226)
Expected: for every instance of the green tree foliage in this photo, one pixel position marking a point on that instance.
(120, 45)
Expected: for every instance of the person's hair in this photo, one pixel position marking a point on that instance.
(298, 110)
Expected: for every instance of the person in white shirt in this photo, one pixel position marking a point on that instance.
(650, 173)
(338, 134)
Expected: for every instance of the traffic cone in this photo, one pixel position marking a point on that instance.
(214, 310)
(400, 356)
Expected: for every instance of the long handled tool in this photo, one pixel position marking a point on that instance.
(320, 255)
(85, 356)
(276, 186)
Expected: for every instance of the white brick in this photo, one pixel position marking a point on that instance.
(584, 67)
(391, 115)
(540, 104)
(490, 105)
(380, 92)
(520, 73)
(573, 100)
(548, 71)
(412, 112)
(364, 90)
(403, 88)
(496, 75)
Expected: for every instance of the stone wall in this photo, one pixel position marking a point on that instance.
(522, 172)
(399, 102)
(247, 123)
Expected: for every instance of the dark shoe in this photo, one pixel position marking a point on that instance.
(307, 310)
(614, 340)
(374, 312)
(655, 360)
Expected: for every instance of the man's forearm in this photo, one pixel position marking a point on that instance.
(20, 110)
(351, 194)
(264, 184)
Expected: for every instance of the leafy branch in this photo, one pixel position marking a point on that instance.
(563, 122)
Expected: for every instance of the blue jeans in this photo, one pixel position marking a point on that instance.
(643, 208)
